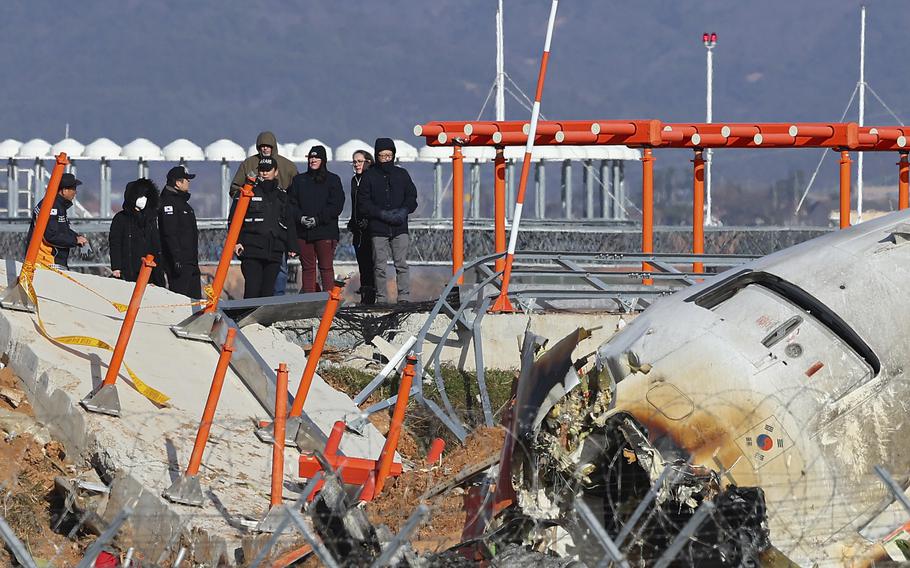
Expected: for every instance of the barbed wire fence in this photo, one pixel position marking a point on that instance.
(593, 499)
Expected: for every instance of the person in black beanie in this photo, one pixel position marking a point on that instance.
(317, 198)
(179, 235)
(134, 232)
(360, 234)
(386, 197)
(267, 233)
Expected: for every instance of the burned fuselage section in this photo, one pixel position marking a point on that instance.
(570, 447)
(770, 392)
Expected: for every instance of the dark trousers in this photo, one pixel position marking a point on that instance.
(319, 253)
(259, 276)
(363, 249)
(187, 282)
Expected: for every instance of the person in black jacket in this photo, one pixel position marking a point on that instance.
(386, 197)
(317, 198)
(267, 233)
(179, 235)
(360, 234)
(59, 237)
(134, 232)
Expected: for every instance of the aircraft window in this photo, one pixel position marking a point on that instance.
(722, 291)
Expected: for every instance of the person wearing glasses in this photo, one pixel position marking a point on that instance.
(316, 199)
(59, 237)
(360, 234)
(386, 197)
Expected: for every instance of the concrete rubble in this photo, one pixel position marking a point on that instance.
(139, 454)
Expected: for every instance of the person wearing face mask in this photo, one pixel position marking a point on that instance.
(134, 232)
(360, 234)
(267, 233)
(317, 198)
(386, 197)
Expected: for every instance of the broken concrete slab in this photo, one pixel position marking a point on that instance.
(142, 452)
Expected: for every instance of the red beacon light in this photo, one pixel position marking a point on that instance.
(705, 37)
(713, 38)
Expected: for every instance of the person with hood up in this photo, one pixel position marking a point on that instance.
(267, 147)
(386, 197)
(360, 234)
(179, 235)
(317, 198)
(59, 237)
(134, 232)
(267, 234)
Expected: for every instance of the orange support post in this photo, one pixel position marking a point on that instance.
(435, 452)
(845, 189)
(243, 202)
(903, 182)
(331, 306)
(647, 209)
(281, 402)
(129, 320)
(211, 403)
(391, 440)
(334, 442)
(50, 195)
(499, 207)
(698, 209)
(186, 489)
(457, 211)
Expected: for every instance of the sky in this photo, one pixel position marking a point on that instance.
(339, 69)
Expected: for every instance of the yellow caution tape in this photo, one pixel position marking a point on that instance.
(155, 396)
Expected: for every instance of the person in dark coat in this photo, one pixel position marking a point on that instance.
(59, 237)
(134, 233)
(386, 197)
(317, 198)
(179, 235)
(267, 233)
(360, 234)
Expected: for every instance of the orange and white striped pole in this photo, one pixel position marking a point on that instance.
(502, 303)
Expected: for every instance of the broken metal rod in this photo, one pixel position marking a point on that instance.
(893, 487)
(687, 532)
(391, 442)
(107, 536)
(325, 324)
(601, 535)
(642, 506)
(403, 536)
(308, 490)
(20, 553)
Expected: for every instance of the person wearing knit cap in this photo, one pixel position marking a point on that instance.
(386, 197)
(316, 199)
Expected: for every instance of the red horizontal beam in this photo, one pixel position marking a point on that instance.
(655, 134)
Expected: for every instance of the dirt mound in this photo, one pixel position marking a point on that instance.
(28, 465)
(402, 495)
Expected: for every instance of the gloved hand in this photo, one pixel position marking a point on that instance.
(399, 216)
(308, 222)
(387, 216)
(363, 224)
(85, 251)
(178, 268)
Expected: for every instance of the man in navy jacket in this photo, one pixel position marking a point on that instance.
(386, 197)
